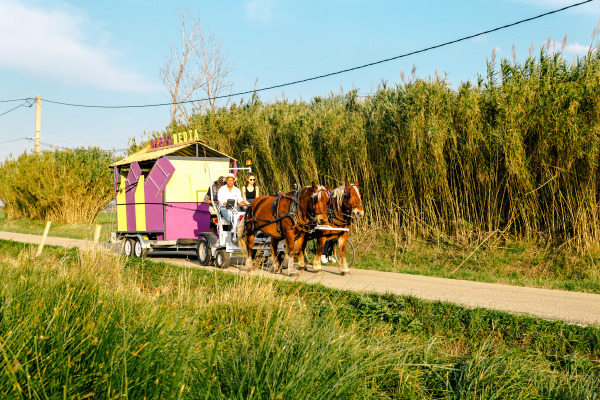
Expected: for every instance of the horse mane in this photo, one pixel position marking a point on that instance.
(338, 195)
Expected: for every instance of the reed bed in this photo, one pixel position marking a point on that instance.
(70, 186)
(514, 154)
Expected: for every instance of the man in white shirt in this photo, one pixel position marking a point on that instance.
(229, 192)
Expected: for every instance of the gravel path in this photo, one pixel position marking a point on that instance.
(571, 307)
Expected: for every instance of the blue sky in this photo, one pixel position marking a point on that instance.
(108, 53)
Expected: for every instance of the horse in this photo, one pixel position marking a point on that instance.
(345, 206)
(288, 217)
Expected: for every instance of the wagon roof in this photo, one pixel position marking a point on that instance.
(186, 149)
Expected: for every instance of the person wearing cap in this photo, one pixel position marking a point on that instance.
(229, 192)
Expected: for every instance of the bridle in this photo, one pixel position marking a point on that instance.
(348, 217)
(315, 199)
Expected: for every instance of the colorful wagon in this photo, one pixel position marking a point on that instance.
(160, 194)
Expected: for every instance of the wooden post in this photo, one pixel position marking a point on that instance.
(97, 233)
(41, 246)
(38, 123)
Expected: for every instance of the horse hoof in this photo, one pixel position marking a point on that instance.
(346, 273)
(318, 271)
(293, 274)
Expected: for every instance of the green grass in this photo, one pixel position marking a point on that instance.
(517, 263)
(74, 231)
(92, 324)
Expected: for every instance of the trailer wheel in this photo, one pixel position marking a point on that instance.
(128, 247)
(222, 259)
(203, 251)
(138, 250)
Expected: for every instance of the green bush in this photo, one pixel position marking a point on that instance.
(70, 186)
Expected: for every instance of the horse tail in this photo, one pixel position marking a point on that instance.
(241, 235)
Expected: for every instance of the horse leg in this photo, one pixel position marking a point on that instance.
(298, 247)
(291, 253)
(317, 267)
(344, 270)
(249, 246)
(276, 266)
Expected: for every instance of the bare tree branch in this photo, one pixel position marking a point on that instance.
(200, 66)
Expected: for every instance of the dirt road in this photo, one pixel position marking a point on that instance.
(572, 307)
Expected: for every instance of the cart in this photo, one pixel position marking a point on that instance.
(159, 192)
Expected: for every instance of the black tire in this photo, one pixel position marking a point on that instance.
(349, 253)
(138, 250)
(310, 250)
(222, 259)
(203, 251)
(128, 247)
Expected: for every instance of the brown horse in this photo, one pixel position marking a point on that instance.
(286, 217)
(345, 206)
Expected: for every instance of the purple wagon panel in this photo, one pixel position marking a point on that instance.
(132, 180)
(157, 180)
(186, 220)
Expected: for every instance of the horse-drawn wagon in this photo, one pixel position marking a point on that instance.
(160, 193)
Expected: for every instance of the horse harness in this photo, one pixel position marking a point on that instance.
(292, 213)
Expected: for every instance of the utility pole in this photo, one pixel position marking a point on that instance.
(38, 123)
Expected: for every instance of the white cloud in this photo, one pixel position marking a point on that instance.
(576, 48)
(259, 10)
(52, 44)
(570, 48)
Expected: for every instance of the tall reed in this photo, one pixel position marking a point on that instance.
(514, 154)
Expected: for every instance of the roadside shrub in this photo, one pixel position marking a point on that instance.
(70, 186)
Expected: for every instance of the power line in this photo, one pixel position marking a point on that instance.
(336, 72)
(14, 140)
(28, 103)
(8, 101)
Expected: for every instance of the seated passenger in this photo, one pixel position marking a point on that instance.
(214, 188)
(250, 189)
(229, 192)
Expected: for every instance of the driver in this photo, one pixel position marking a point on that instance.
(228, 192)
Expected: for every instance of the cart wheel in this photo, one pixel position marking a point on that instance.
(128, 247)
(349, 253)
(203, 252)
(138, 250)
(222, 259)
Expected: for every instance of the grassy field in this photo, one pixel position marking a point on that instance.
(513, 263)
(74, 231)
(83, 325)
